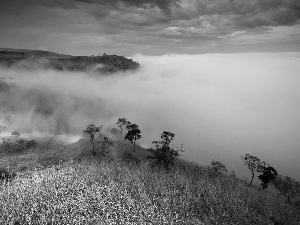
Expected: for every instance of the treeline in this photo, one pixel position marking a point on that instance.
(164, 154)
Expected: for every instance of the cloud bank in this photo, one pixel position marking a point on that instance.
(220, 106)
(151, 26)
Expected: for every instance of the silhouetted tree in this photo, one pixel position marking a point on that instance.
(287, 186)
(90, 131)
(133, 134)
(254, 164)
(123, 123)
(269, 174)
(164, 154)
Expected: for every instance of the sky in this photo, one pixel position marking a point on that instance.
(150, 27)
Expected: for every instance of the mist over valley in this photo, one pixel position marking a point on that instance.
(219, 106)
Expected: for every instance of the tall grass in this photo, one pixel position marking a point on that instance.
(106, 191)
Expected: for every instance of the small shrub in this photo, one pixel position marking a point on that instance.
(6, 176)
(217, 168)
(30, 143)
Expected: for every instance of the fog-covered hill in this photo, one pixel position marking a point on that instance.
(30, 59)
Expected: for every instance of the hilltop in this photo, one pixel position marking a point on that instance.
(28, 59)
(61, 181)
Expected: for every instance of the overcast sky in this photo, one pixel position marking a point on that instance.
(152, 27)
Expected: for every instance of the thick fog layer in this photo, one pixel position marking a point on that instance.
(220, 106)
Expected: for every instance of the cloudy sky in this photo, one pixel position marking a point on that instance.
(152, 27)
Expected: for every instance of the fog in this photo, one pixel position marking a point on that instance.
(219, 106)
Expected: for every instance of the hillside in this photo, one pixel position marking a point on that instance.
(28, 59)
(60, 181)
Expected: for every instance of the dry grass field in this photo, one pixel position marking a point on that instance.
(64, 184)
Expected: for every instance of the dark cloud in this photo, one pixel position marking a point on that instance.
(20, 6)
(164, 5)
(275, 10)
(109, 23)
(64, 4)
(204, 19)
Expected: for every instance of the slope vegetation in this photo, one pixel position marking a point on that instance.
(120, 187)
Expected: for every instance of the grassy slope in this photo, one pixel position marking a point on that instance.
(107, 190)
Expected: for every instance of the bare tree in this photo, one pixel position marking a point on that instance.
(254, 164)
(123, 123)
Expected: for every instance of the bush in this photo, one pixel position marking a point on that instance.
(217, 168)
(6, 176)
(15, 133)
(163, 154)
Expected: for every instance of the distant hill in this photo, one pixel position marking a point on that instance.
(28, 59)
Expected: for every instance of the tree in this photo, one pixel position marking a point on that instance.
(15, 133)
(133, 134)
(123, 123)
(287, 186)
(254, 164)
(268, 174)
(90, 131)
(164, 154)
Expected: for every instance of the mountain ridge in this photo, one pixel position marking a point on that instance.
(28, 59)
